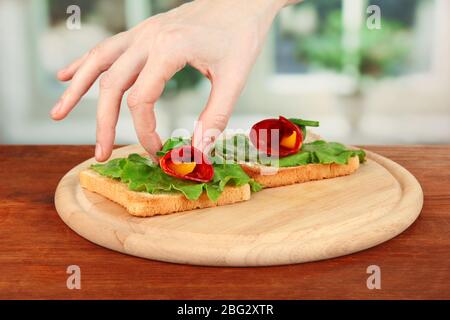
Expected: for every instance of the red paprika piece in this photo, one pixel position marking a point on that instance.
(187, 163)
(289, 140)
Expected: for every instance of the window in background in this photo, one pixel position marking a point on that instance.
(109, 14)
(100, 19)
(57, 46)
(327, 63)
(297, 24)
(44, 44)
(331, 35)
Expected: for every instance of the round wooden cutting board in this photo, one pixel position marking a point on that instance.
(298, 223)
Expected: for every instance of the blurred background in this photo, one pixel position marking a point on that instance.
(320, 62)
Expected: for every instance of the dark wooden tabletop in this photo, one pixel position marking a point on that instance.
(36, 247)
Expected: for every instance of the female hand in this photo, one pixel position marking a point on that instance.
(220, 38)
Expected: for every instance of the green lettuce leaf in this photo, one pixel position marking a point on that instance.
(305, 123)
(315, 152)
(173, 143)
(237, 148)
(141, 174)
(112, 169)
(302, 124)
(321, 152)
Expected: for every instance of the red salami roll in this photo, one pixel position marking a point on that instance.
(187, 163)
(289, 137)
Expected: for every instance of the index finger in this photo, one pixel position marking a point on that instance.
(215, 116)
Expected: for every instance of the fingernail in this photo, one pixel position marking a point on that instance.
(98, 151)
(56, 108)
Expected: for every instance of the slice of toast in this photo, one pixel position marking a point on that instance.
(143, 204)
(290, 175)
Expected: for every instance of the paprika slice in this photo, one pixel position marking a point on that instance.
(187, 163)
(290, 137)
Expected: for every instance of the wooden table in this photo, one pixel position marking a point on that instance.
(36, 247)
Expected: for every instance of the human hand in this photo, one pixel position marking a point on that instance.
(220, 38)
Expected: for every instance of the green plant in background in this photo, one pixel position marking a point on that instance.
(381, 51)
(186, 78)
(384, 51)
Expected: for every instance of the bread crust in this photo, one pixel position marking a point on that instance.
(142, 204)
(290, 175)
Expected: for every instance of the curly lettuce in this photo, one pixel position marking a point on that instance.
(321, 152)
(141, 174)
(239, 149)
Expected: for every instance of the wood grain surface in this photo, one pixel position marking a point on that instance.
(36, 247)
(292, 224)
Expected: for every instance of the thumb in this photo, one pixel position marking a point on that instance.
(215, 116)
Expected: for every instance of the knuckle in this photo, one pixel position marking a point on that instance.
(121, 35)
(169, 37)
(154, 22)
(96, 52)
(106, 81)
(220, 121)
(97, 57)
(133, 99)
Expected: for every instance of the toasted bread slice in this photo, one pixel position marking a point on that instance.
(290, 175)
(144, 204)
